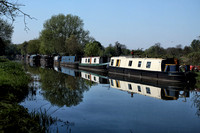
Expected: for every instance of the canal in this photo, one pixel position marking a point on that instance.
(81, 101)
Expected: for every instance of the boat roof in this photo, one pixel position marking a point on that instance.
(136, 58)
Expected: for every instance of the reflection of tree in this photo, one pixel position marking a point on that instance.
(196, 100)
(61, 89)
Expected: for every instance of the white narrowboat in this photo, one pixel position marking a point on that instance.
(94, 64)
(146, 90)
(147, 68)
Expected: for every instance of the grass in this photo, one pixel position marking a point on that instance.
(14, 88)
(13, 81)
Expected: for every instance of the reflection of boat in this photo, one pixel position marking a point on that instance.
(147, 68)
(35, 60)
(69, 71)
(147, 90)
(94, 63)
(94, 78)
(56, 60)
(56, 68)
(46, 61)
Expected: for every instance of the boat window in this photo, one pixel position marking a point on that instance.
(94, 60)
(117, 83)
(94, 78)
(148, 65)
(85, 75)
(129, 87)
(118, 63)
(88, 76)
(88, 60)
(130, 63)
(139, 88)
(112, 62)
(148, 90)
(85, 60)
(139, 63)
(112, 82)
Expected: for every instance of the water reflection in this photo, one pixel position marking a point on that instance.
(148, 90)
(61, 89)
(65, 87)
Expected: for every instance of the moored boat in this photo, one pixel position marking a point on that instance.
(94, 64)
(34, 60)
(148, 68)
(56, 60)
(70, 61)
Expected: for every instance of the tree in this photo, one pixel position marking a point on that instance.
(93, 49)
(155, 51)
(195, 45)
(73, 47)
(33, 46)
(23, 48)
(6, 31)
(110, 51)
(58, 29)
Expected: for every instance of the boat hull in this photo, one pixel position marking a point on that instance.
(70, 64)
(92, 67)
(149, 75)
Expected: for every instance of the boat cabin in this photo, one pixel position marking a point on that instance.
(68, 59)
(94, 60)
(148, 64)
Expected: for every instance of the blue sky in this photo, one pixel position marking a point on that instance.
(135, 23)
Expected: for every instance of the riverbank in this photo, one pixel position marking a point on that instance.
(14, 88)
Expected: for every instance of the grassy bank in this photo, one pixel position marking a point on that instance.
(14, 88)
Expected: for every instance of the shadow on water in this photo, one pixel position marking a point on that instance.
(63, 86)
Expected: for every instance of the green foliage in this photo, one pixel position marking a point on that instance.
(73, 47)
(14, 118)
(93, 49)
(194, 58)
(155, 51)
(33, 46)
(69, 89)
(13, 80)
(58, 29)
(110, 51)
(14, 88)
(6, 31)
(116, 50)
(195, 45)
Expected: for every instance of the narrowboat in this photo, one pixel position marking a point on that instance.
(70, 61)
(98, 64)
(157, 92)
(34, 60)
(46, 61)
(148, 68)
(56, 60)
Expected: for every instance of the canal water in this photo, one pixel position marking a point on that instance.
(82, 101)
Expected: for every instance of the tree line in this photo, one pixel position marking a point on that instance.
(65, 35)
